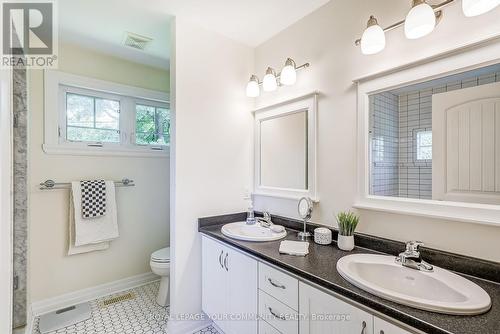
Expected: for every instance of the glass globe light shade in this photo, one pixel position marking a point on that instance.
(420, 21)
(288, 74)
(373, 39)
(253, 89)
(269, 83)
(478, 7)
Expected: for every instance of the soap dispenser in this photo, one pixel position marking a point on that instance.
(250, 215)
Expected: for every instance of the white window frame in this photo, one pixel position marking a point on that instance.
(465, 59)
(149, 103)
(63, 90)
(58, 83)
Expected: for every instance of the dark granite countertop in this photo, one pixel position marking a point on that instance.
(319, 267)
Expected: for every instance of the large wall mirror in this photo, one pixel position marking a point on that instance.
(285, 149)
(434, 142)
(439, 139)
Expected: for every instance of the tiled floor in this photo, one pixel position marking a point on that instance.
(140, 315)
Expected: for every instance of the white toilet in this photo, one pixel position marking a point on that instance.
(160, 265)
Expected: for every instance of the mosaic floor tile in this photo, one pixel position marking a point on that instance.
(140, 315)
(208, 330)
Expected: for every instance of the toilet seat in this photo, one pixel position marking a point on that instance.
(161, 255)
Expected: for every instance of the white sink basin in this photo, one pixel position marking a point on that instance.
(242, 231)
(439, 291)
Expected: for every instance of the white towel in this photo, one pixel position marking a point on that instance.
(298, 248)
(87, 235)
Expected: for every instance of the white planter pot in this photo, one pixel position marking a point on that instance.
(345, 242)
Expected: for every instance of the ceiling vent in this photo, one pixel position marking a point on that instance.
(136, 41)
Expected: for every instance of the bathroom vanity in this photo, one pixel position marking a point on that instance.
(287, 294)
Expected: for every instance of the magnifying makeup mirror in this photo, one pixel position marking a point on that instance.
(305, 208)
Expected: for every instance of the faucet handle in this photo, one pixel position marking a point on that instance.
(413, 246)
(266, 215)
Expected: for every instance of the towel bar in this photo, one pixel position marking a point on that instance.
(51, 184)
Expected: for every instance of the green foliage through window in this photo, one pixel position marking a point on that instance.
(92, 119)
(152, 125)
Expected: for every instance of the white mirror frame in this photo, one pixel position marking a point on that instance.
(465, 59)
(307, 103)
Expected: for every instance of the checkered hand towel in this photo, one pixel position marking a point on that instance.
(93, 198)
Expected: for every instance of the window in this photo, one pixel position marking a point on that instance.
(152, 125)
(378, 149)
(85, 116)
(92, 119)
(424, 145)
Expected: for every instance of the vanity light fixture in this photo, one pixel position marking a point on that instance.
(271, 81)
(478, 7)
(373, 39)
(253, 89)
(421, 20)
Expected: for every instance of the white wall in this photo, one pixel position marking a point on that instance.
(143, 210)
(210, 160)
(325, 38)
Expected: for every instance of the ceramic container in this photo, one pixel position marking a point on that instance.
(346, 242)
(322, 236)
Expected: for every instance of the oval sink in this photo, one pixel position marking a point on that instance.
(242, 231)
(439, 291)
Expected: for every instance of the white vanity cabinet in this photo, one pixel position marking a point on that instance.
(383, 327)
(323, 313)
(229, 288)
(235, 284)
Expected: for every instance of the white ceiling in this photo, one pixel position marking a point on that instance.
(248, 21)
(101, 24)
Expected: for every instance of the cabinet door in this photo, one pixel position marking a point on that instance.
(383, 327)
(214, 282)
(325, 314)
(242, 292)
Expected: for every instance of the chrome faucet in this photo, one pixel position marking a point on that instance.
(264, 221)
(411, 257)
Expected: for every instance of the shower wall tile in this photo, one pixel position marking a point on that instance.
(384, 139)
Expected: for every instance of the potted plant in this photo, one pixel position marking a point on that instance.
(347, 222)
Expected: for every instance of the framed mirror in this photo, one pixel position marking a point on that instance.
(285, 149)
(429, 138)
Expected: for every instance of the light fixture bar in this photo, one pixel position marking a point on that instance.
(305, 65)
(437, 8)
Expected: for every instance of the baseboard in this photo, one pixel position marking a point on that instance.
(185, 326)
(80, 296)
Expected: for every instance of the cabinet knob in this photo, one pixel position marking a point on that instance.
(382, 332)
(225, 262)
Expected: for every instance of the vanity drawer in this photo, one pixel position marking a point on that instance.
(277, 314)
(265, 328)
(279, 285)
